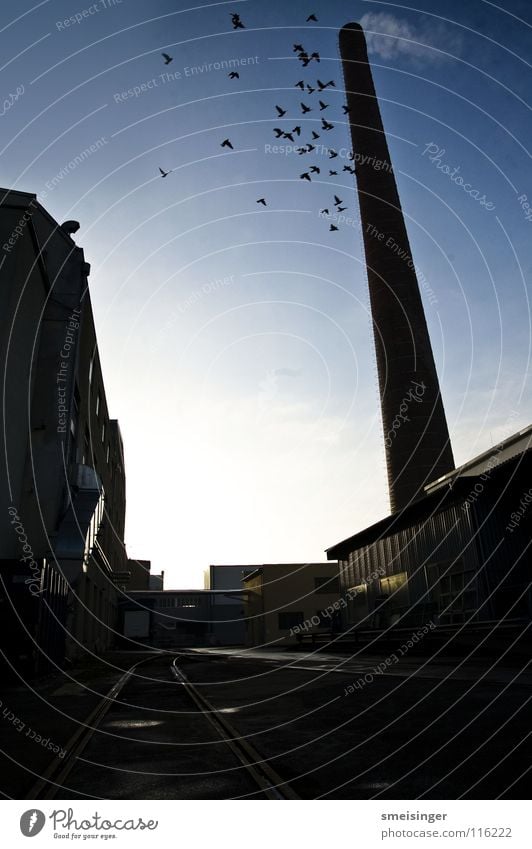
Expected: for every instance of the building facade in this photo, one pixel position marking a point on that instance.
(139, 574)
(461, 556)
(228, 625)
(62, 491)
(286, 600)
(173, 618)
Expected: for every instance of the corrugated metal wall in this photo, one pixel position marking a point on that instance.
(444, 538)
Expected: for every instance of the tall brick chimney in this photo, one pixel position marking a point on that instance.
(416, 437)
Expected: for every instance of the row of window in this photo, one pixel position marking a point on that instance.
(94, 527)
(453, 593)
(178, 601)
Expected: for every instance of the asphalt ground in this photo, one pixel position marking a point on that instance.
(155, 743)
(50, 708)
(410, 732)
(332, 727)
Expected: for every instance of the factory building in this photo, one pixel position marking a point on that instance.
(139, 575)
(448, 554)
(228, 611)
(286, 601)
(62, 491)
(173, 618)
(460, 557)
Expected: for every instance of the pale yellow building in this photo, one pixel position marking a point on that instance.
(285, 601)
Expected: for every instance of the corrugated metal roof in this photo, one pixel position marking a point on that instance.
(439, 493)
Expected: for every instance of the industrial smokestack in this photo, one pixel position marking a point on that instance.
(416, 437)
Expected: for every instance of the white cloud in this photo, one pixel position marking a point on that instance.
(393, 38)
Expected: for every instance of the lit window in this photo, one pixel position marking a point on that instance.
(103, 432)
(107, 454)
(98, 403)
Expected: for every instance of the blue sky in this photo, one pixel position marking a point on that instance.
(235, 339)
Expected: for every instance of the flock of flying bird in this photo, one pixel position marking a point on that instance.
(326, 126)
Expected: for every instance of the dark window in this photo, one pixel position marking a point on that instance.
(325, 618)
(74, 417)
(458, 597)
(86, 458)
(290, 620)
(326, 585)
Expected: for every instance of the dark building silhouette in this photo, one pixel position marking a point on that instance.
(169, 618)
(62, 477)
(139, 575)
(418, 449)
(459, 556)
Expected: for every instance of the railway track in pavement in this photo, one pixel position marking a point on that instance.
(154, 735)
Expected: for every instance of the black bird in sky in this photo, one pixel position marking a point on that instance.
(310, 148)
(298, 48)
(234, 75)
(288, 136)
(332, 227)
(314, 169)
(302, 150)
(324, 212)
(323, 86)
(332, 154)
(167, 58)
(237, 23)
(164, 173)
(305, 109)
(227, 143)
(315, 135)
(342, 208)
(346, 110)
(281, 112)
(333, 173)
(337, 200)
(262, 201)
(305, 176)
(315, 56)
(278, 132)
(305, 59)
(310, 89)
(297, 131)
(348, 168)
(323, 105)
(300, 85)
(312, 18)
(326, 126)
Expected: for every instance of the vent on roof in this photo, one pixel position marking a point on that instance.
(70, 227)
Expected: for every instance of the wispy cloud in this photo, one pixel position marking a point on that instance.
(288, 372)
(391, 38)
